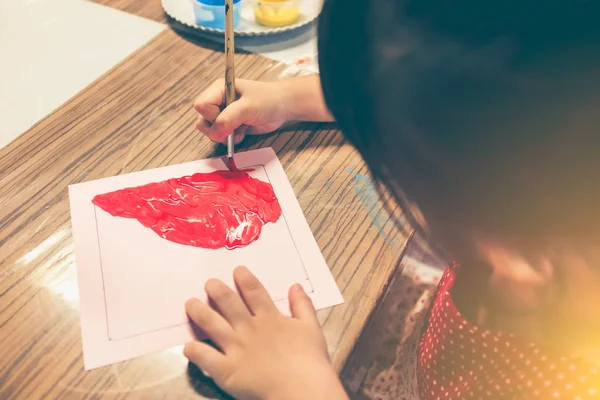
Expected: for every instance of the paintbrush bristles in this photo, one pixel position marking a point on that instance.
(229, 66)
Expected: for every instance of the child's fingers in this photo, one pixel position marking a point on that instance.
(237, 114)
(202, 125)
(209, 103)
(254, 293)
(208, 359)
(228, 303)
(301, 305)
(239, 134)
(210, 322)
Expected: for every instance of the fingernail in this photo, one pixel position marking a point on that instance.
(296, 287)
(191, 301)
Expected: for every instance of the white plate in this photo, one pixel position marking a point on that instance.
(182, 11)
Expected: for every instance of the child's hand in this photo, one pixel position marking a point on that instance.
(263, 354)
(260, 108)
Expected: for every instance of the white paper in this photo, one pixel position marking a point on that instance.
(52, 49)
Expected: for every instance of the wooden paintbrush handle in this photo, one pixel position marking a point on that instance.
(229, 54)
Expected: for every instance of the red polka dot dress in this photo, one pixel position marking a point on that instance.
(459, 360)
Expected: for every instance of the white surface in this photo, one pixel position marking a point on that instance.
(52, 49)
(183, 12)
(133, 284)
(300, 52)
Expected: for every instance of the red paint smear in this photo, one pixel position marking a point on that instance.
(208, 210)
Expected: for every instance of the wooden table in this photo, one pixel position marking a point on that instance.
(139, 116)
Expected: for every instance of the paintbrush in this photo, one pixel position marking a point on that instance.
(229, 75)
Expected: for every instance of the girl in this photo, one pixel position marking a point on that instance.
(486, 116)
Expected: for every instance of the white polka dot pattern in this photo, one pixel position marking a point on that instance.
(459, 360)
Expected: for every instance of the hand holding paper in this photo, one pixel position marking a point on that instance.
(262, 354)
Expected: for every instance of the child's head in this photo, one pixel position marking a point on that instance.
(485, 114)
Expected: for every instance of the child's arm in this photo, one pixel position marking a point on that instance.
(305, 100)
(261, 353)
(261, 107)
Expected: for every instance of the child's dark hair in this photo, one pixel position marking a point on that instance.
(486, 114)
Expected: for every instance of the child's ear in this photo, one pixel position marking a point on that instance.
(516, 285)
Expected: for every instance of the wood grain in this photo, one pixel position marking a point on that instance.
(139, 116)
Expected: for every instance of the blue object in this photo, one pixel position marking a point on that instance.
(211, 13)
(215, 2)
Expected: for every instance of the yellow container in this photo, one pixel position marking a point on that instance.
(276, 13)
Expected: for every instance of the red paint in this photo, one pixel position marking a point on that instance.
(208, 210)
